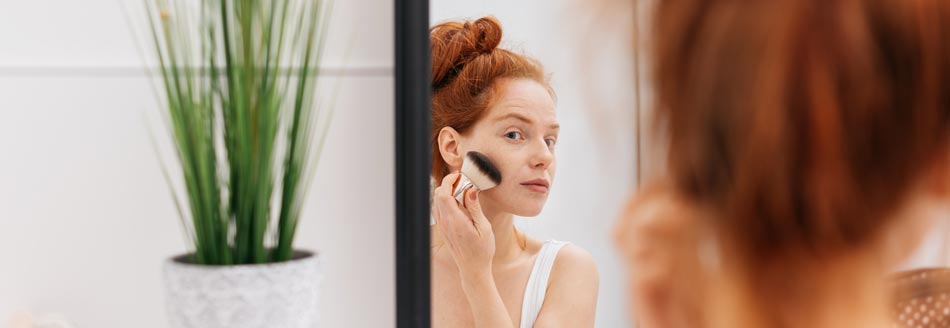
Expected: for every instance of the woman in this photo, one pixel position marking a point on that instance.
(484, 272)
(809, 145)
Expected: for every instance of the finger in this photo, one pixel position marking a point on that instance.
(444, 223)
(448, 184)
(440, 190)
(442, 226)
(472, 204)
(448, 205)
(474, 207)
(434, 212)
(454, 217)
(449, 180)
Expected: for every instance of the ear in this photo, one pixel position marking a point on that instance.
(449, 147)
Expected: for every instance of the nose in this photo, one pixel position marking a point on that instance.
(542, 155)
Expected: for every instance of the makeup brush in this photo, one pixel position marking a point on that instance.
(477, 172)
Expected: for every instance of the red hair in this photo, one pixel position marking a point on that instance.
(804, 122)
(467, 66)
(802, 125)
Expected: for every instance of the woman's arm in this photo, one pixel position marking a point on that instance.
(483, 297)
(472, 244)
(571, 299)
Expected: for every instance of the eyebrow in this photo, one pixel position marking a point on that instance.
(525, 119)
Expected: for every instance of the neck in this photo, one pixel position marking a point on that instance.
(507, 241)
(845, 291)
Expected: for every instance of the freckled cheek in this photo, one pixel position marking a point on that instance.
(505, 163)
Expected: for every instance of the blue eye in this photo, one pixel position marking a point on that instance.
(550, 141)
(513, 135)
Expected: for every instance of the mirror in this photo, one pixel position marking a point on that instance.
(593, 166)
(587, 86)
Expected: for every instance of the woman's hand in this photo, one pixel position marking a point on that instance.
(465, 228)
(472, 244)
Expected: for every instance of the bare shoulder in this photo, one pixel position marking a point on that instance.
(576, 264)
(571, 299)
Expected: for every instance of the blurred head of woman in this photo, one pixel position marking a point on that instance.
(808, 140)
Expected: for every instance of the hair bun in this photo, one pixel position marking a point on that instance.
(484, 33)
(455, 44)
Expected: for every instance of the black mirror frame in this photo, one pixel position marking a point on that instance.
(413, 162)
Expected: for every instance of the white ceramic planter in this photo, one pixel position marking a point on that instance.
(273, 295)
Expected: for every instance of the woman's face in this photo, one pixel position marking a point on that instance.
(518, 133)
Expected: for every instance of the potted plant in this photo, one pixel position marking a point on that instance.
(238, 80)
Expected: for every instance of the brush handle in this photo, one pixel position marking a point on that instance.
(464, 184)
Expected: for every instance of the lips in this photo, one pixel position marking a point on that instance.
(537, 185)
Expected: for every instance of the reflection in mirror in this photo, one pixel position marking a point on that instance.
(549, 108)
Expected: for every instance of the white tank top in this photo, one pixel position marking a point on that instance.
(538, 282)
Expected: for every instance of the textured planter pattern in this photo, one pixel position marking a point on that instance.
(277, 295)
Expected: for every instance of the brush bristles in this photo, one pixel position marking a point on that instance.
(481, 171)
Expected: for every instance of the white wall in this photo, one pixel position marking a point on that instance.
(86, 219)
(591, 74)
